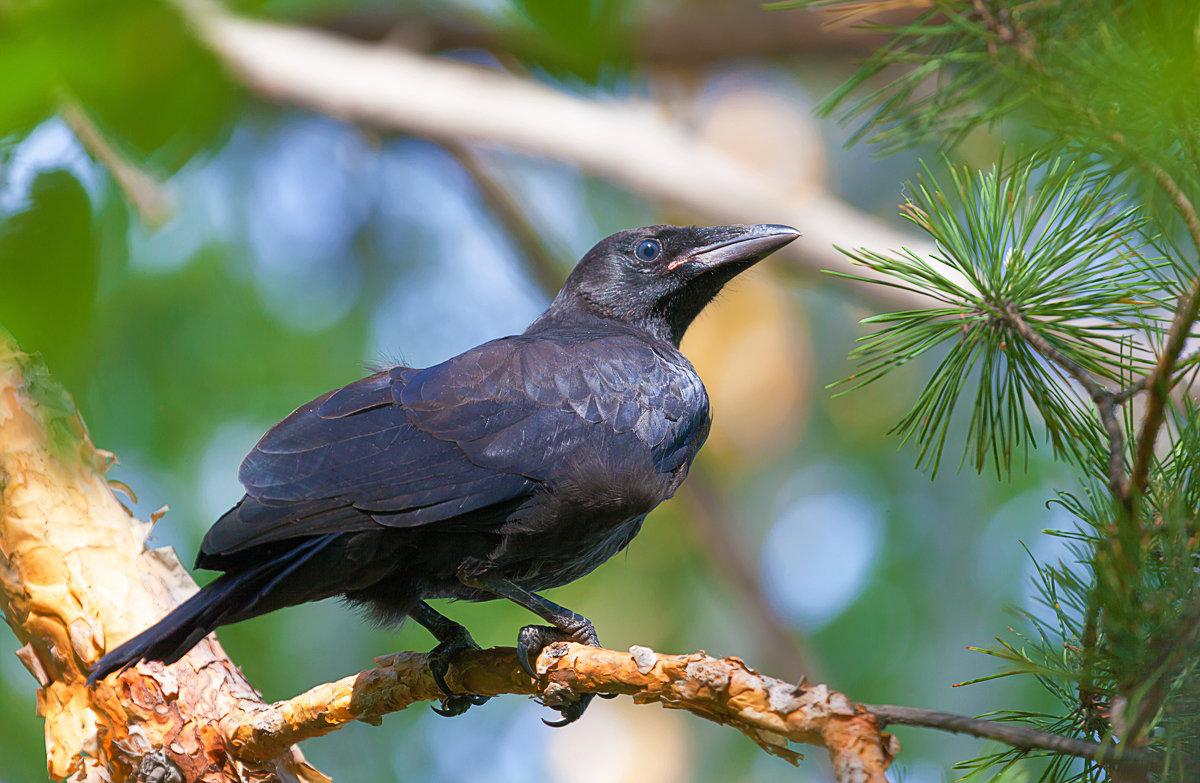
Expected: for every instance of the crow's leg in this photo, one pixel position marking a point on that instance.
(452, 640)
(532, 639)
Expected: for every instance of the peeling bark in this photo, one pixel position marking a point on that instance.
(75, 577)
(724, 690)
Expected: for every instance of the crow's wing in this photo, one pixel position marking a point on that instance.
(532, 403)
(307, 474)
(462, 443)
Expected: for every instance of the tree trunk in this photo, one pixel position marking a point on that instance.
(76, 571)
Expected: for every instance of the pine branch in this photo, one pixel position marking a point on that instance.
(1161, 380)
(1173, 654)
(1101, 84)
(1016, 736)
(1058, 263)
(1104, 400)
(1159, 383)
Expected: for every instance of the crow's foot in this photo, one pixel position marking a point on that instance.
(532, 639)
(440, 658)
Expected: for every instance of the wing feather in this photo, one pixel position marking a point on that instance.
(465, 442)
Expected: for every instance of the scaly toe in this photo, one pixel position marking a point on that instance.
(570, 712)
(439, 664)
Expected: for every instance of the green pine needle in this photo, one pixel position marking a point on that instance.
(1057, 247)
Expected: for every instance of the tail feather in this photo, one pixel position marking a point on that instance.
(227, 599)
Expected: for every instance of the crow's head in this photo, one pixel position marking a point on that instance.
(661, 277)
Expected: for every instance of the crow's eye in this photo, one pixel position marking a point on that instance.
(648, 250)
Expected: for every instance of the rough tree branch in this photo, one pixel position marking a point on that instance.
(724, 690)
(75, 578)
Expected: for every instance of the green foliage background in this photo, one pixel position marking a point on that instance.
(182, 344)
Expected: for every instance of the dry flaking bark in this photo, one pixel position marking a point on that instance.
(723, 690)
(75, 578)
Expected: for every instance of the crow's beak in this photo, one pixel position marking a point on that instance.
(739, 244)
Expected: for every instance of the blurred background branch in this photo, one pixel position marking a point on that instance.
(151, 200)
(629, 143)
(691, 35)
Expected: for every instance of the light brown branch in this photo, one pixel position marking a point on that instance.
(669, 36)
(75, 578)
(723, 690)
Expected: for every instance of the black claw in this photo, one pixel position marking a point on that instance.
(453, 704)
(447, 710)
(570, 712)
(438, 669)
(457, 703)
(532, 639)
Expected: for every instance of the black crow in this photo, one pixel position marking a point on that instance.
(517, 466)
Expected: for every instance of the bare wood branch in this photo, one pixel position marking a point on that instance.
(1009, 734)
(723, 690)
(1104, 400)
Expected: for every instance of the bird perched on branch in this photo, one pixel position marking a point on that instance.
(520, 465)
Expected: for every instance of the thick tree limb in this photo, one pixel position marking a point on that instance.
(76, 577)
(723, 690)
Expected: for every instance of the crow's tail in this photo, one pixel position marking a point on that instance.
(229, 598)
